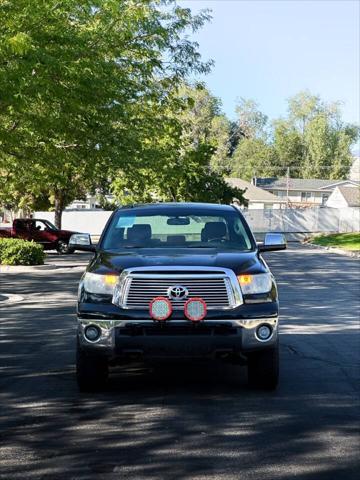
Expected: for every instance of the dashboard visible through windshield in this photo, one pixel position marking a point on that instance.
(177, 228)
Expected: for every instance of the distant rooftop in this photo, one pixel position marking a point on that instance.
(253, 194)
(351, 195)
(355, 169)
(296, 183)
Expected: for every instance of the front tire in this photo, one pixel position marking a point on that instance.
(263, 368)
(91, 371)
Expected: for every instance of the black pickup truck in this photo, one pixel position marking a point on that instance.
(177, 281)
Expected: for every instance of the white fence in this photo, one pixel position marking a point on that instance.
(89, 221)
(310, 220)
(286, 221)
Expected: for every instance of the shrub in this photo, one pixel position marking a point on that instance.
(14, 251)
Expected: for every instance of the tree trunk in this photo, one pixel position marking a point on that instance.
(172, 194)
(59, 207)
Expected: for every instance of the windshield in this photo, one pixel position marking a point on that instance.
(49, 225)
(179, 228)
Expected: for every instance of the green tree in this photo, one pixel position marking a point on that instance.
(235, 136)
(320, 141)
(312, 141)
(252, 123)
(343, 159)
(254, 157)
(83, 86)
(182, 170)
(288, 148)
(202, 122)
(221, 138)
(318, 148)
(253, 154)
(302, 108)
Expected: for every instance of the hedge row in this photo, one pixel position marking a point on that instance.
(14, 251)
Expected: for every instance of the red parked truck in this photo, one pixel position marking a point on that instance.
(40, 231)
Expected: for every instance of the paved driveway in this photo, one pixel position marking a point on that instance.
(182, 423)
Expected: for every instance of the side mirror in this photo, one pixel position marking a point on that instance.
(82, 242)
(272, 242)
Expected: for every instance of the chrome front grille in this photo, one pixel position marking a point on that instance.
(138, 286)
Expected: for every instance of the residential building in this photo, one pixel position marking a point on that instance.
(257, 197)
(91, 203)
(300, 192)
(343, 197)
(355, 170)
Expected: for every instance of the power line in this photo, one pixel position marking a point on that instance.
(302, 167)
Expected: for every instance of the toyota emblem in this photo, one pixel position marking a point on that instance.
(178, 292)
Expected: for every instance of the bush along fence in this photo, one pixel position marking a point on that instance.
(14, 251)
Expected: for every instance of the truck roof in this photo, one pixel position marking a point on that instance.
(178, 206)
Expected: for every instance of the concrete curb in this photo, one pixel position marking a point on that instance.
(38, 268)
(339, 251)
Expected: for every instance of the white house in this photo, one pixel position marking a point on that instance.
(302, 192)
(355, 170)
(91, 203)
(343, 197)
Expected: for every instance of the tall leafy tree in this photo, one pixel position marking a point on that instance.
(253, 158)
(302, 108)
(320, 140)
(252, 123)
(202, 122)
(312, 141)
(253, 154)
(288, 148)
(83, 85)
(194, 136)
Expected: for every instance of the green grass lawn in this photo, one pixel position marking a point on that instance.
(346, 241)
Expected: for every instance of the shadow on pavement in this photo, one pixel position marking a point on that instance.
(180, 422)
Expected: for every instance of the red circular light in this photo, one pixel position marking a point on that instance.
(160, 308)
(195, 309)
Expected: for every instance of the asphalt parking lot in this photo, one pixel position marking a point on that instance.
(181, 422)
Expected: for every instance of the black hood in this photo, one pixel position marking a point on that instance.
(239, 262)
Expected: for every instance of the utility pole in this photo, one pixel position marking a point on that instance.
(254, 179)
(287, 186)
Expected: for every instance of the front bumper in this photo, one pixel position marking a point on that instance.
(176, 338)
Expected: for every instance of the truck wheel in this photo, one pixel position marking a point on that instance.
(263, 368)
(63, 248)
(91, 371)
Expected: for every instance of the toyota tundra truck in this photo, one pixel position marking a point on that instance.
(182, 281)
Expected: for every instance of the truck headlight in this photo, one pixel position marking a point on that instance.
(258, 283)
(100, 284)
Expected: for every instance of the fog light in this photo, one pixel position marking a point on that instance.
(92, 333)
(264, 332)
(195, 309)
(160, 308)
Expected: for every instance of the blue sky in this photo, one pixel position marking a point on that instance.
(269, 50)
